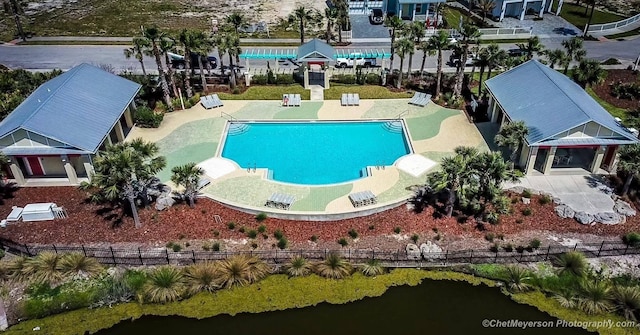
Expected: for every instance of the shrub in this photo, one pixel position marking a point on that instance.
(259, 79)
(254, 245)
(372, 227)
(489, 237)
(283, 243)
(527, 211)
(313, 238)
(373, 79)
(519, 221)
(240, 271)
(164, 285)
(508, 247)
(262, 229)
(348, 79)
(494, 248)
(144, 117)
(215, 246)
(252, 234)
(261, 217)
(353, 233)
(372, 267)
(1, 254)
(545, 199)
(492, 217)
(334, 267)
(278, 234)
(265, 236)
(343, 242)
(631, 239)
(284, 79)
(176, 247)
(206, 247)
(526, 193)
(517, 278)
(231, 225)
(519, 249)
(76, 265)
(535, 243)
(201, 277)
(242, 230)
(611, 61)
(44, 300)
(298, 266)
(216, 233)
(397, 230)
(594, 297)
(572, 262)
(43, 268)
(415, 238)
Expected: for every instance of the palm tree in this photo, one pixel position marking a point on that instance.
(575, 51)
(497, 57)
(414, 32)
(572, 262)
(189, 42)
(556, 56)
(627, 301)
(240, 271)
(229, 43)
(15, 8)
(629, 162)
(589, 72)
(453, 174)
(302, 17)
(331, 14)
(201, 277)
(188, 177)
(403, 47)
(482, 60)
(334, 267)
(533, 46)
(396, 25)
(154, 35)
(427, 50)
(137, 50)
(439, 42)
(237, 20)
(512, 135)
(594, 297)
(372, 267)
(491, 171)
(343, 17)
(165, 284)
(298, 266)
(122, 173)
(485, 6)
(203, 45)
(517, 278)
(470, 34)
(167, 45)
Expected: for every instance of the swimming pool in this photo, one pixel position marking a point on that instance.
(315, 153)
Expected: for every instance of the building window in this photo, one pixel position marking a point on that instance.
(418, 7)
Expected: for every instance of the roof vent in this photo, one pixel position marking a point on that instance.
(634, 131)
(619, 120)
(39, 100)
(48, 90)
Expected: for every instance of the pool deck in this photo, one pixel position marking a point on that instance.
(194, 135)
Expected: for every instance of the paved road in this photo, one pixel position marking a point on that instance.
(47, 57)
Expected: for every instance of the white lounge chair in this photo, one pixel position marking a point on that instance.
(356, 99)
(216, 101)
(296, 100)
(285, 100)
(343, 100)
(280, 201)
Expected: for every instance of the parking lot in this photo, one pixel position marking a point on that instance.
(361, 28)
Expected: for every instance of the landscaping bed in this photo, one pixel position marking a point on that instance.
(614, 76)
(94, 225)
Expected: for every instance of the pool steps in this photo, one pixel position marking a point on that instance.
(393, 126)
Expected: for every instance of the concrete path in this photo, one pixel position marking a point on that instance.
(317, 93)
(582, 193)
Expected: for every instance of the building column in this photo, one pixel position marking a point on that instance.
(326, 77)
(524, 155)
(559, 7)
(18, 176)
(494, 110)
(531, 160)
(132, 105)
(597, 159)
(544, 2)
(524, 10)
(306, 75)
(504, 8)
(128, 118)
(549, 161)
(119, 131)
(69, 169)
(550, 5)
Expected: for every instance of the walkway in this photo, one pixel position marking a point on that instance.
(582, 193)
(317, 93)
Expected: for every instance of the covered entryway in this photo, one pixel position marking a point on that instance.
(577, 158)
(315, 57)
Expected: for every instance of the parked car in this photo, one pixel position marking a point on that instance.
(178, 62)
(455, 59)
(355, 59)
(516, 52)
(376, 16)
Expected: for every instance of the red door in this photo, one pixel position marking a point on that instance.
(34, 164)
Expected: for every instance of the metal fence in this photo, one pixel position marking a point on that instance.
(389, 258)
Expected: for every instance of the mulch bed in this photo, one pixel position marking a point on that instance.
(94, 224)
(613, 76)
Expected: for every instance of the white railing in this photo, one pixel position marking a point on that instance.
(59, 212)
(351, 70)
(613, 25)
(346, 35)
(263, 71)
(486, 33)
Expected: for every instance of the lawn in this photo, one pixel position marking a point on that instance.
(613, 110)
(365, 91)
(575, 15)
(267, 93)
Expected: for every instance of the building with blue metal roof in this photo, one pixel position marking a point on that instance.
(568, 129)
(52, 135)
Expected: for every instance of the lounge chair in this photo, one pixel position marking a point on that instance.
(350, 99)
(356, 99)
(363, 198)
(216, 101)
(343, 100)
(286, 100)
(296, 100)
(415, 98)
(420, 99)
(280, 201)
(210, 101)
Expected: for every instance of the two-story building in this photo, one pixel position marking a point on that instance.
(412, 10)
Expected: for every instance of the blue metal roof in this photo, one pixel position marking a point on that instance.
(315, 47)
(366, 53)
(78, 107)
(269, 54)
(548, 102)
(42, 151)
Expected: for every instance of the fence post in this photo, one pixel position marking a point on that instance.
(84, 251)
(55, 249)
(625, 249)
(166, 252)
(495, 259)
(600, 250)
(349, 254)
(193, 255)
(26, 247)
(373, 254)
(446, 257)
(546, 257)
(140, 256)
(113, 256)
(471, 257)
(575, 247)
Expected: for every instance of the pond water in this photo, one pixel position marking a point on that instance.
(434, 307)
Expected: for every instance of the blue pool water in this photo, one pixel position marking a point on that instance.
(315, 153)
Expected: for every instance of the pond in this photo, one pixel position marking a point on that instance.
(433, 307)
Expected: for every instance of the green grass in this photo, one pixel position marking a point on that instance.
(366, 92)
(575, 15)
(267, 93)
(425, 127)
(613, 110)
(452, 17)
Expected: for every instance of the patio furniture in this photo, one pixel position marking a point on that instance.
(285, 100)
(354, 99)
(211, 101)
(420, 99)
(202, 183)
(291, 100)
(42, 212)
(296, 100)
(344, 101)
(363, 198)
(280, 201)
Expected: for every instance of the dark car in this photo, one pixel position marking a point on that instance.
(178, 62)
(516, 52)
(376, 16)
